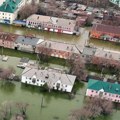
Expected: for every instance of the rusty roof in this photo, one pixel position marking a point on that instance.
(8, 36)
(106, 28)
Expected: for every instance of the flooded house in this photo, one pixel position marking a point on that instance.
(7, 40)
(57, 49)
(103, 90)
(27, 43)
(105, 32)
(54, 24)
(55, 80)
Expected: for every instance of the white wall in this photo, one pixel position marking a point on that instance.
(63, 87)
(24, 47)
(6, 15)
(1, 2)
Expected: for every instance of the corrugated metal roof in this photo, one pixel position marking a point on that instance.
(108, 87)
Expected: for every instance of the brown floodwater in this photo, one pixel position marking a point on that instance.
(78, 40)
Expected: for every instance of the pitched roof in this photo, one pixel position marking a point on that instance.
(28, 40)
(60, 46)
(53, 76)
(10, 6)
(108, 87)
(53, 20)
(106, 28)
(8, 36)
(108, 54)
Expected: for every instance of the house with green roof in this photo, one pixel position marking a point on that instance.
(9, 10)
(116, 2)
(104, 90)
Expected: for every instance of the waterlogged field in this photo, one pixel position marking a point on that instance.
(43, 105)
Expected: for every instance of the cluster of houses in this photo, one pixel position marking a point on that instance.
(9, 9)
(36, 45)
(56, 80)
(69, 10)
(105, 32)
(58, 49)
(108, 28)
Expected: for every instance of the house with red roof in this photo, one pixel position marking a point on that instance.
(7, 40)
(105, 32)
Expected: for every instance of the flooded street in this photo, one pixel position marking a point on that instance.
(78, 40)
(55, 106)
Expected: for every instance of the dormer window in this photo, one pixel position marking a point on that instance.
(47, 76)
(33, 80)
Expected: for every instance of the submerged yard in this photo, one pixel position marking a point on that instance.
(105, 44)
(44, 105)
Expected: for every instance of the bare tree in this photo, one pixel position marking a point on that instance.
(6, 73)
(27, 10)
(6, 110)
(49, 84)
(77, 68)
(44, 52)
(22, 107)
(94, 108)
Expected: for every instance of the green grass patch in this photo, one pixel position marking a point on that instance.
(96, 69)
(32, 56)
(57, 61)
(15, 53)
(44, 92)
(77, 86)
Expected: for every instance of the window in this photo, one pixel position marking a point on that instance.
(105, 93)
(34, 80)
(101, 94)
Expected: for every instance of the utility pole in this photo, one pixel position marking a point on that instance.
(42, 102)
(2, 47)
